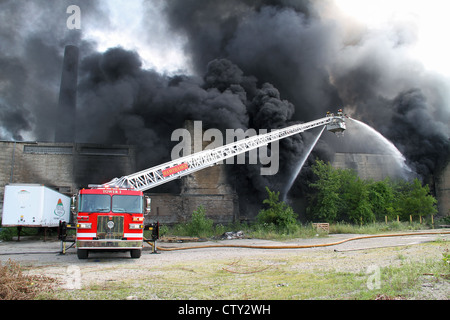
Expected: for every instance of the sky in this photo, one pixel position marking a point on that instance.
(128, 26)
(427, 18)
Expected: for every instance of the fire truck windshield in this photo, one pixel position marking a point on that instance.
(129, 204)
(95, 203)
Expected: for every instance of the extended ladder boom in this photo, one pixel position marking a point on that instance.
(183, 166)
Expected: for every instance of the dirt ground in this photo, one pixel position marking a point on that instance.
(352, 256)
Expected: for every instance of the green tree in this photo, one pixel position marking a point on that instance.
(325, 201)
(339, 194)
(278, 212)
(381, 197)
(357, 201)
(415, 199)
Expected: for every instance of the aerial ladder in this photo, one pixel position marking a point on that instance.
(175, 169)
(111, 216)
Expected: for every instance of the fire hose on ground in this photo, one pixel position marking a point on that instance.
(154, 247)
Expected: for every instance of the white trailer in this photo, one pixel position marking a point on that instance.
(34, 205)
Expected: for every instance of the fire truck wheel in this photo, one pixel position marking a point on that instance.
(135, 253)
(82, 254)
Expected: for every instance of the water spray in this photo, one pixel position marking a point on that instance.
(301, 163)
(400, 158)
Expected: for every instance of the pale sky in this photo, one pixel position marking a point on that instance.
(430, 17)
(165, 54)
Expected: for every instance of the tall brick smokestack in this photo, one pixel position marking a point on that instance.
(66, 113)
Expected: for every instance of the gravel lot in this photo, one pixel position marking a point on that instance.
(352, 256)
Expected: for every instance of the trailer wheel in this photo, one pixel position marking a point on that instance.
(135, 253)
(82, 254)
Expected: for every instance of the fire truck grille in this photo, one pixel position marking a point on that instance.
(110, 227)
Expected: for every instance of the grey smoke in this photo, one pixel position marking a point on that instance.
(306, 51)
(32, 45)
(257, 64)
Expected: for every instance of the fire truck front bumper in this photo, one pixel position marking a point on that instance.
(109, 244)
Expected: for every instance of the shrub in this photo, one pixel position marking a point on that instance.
(199, 225)
(278, 213)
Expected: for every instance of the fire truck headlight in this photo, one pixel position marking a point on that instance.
(84, 225)
(135, 226)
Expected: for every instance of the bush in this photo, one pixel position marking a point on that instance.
(6, 234)
(199, 226)
(278, 213)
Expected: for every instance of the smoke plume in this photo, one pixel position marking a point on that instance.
(256, 64)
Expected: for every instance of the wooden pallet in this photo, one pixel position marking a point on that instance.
(322, 226)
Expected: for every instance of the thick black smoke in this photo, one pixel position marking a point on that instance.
(123, 103)
(257, 64)
(120, 102)
(33, 35)
(319, 59)
(416, 127)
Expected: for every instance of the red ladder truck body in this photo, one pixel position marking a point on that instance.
(110, 216)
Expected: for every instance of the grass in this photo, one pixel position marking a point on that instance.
(405, 282)
(257, 277)
(375, 228)
(267, 277)
(299, 230)
(222, 280)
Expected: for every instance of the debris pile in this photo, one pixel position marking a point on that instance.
(233, 235)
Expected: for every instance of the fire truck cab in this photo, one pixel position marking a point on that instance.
(109, 219)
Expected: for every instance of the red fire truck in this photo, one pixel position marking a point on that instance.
(110, 216)
(109, 219)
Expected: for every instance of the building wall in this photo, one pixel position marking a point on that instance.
(443, 191)
(178, 208)
(64, 167)
(43, 163)
(367, 165)
(208, 188)
(67, 167)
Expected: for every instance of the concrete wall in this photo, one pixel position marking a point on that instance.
(64, 167)
(178, 208)
(367, 165)
(67, 167)
(443, 191)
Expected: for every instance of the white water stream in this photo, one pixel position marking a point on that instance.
(390, 147)
(300, 165)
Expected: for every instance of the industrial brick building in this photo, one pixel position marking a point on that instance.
(67, 166)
